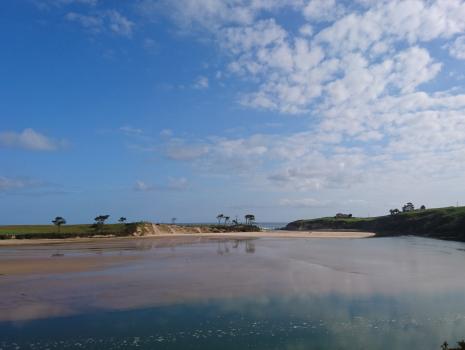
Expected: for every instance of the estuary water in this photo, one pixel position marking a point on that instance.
(377, 293)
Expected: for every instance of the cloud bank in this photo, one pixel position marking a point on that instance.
(364, 75)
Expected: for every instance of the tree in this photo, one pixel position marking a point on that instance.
(235, 222)
(422, 207)
(219, 217)
(408, 207)
(173, 220)
(100, 221)
(249, 219)
(226, 220)
(122, 220)
(58, 221)
(394, 211)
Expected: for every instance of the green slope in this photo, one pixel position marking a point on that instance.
(444, 223)
(66, 231)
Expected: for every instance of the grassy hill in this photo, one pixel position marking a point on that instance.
(66, 231)
(443, 223)
(139, 228)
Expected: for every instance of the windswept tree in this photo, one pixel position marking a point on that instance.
(100, 221)
(235, 222)
(58, 221)
(226, 220)
(249, 219)
(219, 217)
(408, 207)
(122, 220)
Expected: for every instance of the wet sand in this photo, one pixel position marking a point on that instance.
(37, 256)
(126, 289)
(229, 235)
(65, 277)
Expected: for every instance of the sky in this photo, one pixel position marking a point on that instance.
(286, 109)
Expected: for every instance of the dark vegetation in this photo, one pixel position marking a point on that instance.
(249, 220)
(100, 222)
(234, 228)
(58, 221)
(443, 223)
(461, 346)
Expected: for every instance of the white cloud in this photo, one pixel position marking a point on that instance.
(11, 184)
(304, 203)
(323, 10)
(178, 149)
(69, 2)
(92, 23)
(201, 83)
(129, 130)
(306, 30)
(365, 82)
(166, 133)
(119, 24)
(457, 49)
(211, 15)
(141, 186)
(173, 184)
(29, 139)
(47, 4)
(24, 186)
(150, 44)
(110, 20)
(178, 184)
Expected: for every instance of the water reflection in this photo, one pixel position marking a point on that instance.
(311, 322)
(112, 246)
(223, 246)
(262, 294)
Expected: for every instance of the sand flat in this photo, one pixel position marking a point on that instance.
(263, 234)
(42, 281)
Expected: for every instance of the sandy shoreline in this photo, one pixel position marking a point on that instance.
(229, 235)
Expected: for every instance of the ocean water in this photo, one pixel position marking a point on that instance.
(271, 225)
(262, 225)
(383, 293)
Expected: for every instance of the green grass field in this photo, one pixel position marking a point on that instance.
(51, 231)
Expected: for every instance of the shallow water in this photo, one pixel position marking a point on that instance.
(383, 293)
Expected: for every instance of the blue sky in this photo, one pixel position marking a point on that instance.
(287, 109)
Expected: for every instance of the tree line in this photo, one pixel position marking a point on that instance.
(409, 207)
(99, 221)
(249, 219)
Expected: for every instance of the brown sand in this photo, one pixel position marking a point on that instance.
(230, 235)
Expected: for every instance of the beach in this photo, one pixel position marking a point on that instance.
(175, 235)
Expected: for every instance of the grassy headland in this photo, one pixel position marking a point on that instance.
(443, 223)
(118, 230)
(66, 231)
